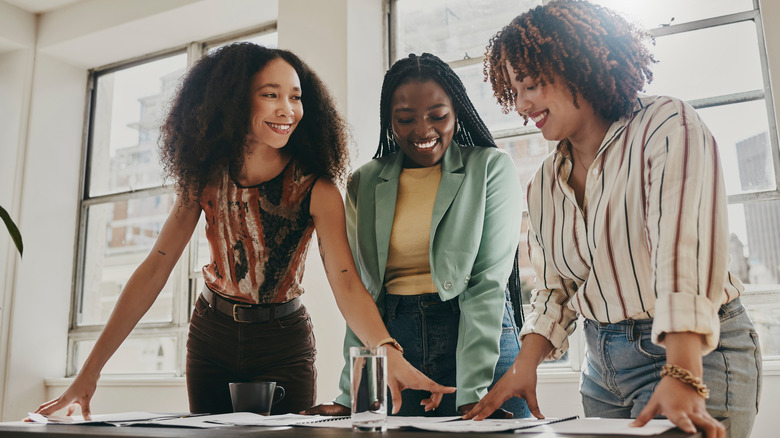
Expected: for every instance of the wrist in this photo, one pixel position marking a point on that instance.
(390, 342)
(686, 376)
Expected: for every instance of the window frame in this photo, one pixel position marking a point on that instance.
(184, 280)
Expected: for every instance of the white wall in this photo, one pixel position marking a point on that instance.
(42, 103)
(348, 57)
(17, 38)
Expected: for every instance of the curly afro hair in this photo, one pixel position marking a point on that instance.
(205, 131)
(596, 53)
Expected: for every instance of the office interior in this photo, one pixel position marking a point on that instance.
(49, 53)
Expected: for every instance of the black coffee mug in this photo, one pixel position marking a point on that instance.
(257, 397)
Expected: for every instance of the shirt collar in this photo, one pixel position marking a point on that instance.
(613, 133)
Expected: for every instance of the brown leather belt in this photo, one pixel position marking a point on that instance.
(249, 313)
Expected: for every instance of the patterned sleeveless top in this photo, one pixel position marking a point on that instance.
(258, 236)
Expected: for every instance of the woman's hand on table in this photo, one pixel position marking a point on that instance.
(683, 406)
(329, 409)
(402, 375)
(79, 393)
(498, 414)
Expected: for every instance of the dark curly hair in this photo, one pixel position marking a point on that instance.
(471, 130)
(205, 131)
(595, 51)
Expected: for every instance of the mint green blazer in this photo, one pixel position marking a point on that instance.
(475, 230)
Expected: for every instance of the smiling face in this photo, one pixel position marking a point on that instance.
(551, 107)
(423, 121)
(276, 107)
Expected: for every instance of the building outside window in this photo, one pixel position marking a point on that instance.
(729, 90)
(125, 203)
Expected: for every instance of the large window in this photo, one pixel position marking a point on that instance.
(711, 54)
(125, 203)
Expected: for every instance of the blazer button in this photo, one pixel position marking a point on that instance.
(447, 285)
(468, 277)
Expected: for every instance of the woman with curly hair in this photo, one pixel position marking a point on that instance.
(628, 229)
(434, 230)
(264, 173)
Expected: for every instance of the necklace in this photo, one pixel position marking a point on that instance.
(579, 160)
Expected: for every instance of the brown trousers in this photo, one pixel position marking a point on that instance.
(220, 351)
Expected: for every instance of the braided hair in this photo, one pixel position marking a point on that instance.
(471, 130)
(593, 50)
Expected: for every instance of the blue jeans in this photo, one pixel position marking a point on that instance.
(622, 368)
(428, 330)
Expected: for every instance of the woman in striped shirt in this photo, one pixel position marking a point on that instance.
(628, 228)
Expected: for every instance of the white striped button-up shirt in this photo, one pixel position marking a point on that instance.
(652, 240)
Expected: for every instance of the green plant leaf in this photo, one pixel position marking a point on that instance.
(12, 229)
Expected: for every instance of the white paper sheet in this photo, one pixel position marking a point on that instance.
(487, 425)
(116, 419)
(392, 422)
(604, 426)
(250, 419)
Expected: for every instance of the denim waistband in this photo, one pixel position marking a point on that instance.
(417, 303)
(726, 311)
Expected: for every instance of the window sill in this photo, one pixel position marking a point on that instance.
(122, 381)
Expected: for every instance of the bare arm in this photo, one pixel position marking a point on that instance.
(136, 298)
(352, 298)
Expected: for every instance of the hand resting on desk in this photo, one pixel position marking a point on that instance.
(80, 393)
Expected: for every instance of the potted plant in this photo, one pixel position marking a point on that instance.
(12, 229)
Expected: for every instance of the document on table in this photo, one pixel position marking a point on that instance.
(603, 426)
(117, 419)
(250, 419)
(393, 422)
(200, 421)
(489, 425)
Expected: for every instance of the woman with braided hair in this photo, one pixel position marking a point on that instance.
(433, 223)
(627, 227)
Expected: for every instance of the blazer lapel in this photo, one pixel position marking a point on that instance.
(385, 194)
(452, 175)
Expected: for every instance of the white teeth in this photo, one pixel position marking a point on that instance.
(281, 127)
(540, 116)
(426, 145)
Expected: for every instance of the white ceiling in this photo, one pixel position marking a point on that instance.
(40, 6)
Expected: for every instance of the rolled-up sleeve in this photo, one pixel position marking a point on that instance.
(687, 227)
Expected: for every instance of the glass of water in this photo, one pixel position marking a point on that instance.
(368, 375)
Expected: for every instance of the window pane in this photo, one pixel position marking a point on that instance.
(136, 355)
(270, 40)
(755, 242)
(119, 236)
(129, 108)
(481, 94)
(452, 29)
(527, 151)
(766, 320)
(655, 13)
(741, 131)
(687, 68)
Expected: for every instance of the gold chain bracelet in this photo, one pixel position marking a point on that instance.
(687, 377)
